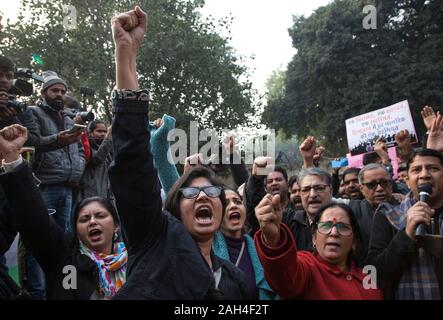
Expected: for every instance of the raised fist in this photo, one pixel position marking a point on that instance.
(12, 139)
(129, 28)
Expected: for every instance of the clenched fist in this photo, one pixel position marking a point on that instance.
(269, 216)
(12, 139)
(262, 166)
(129, 28)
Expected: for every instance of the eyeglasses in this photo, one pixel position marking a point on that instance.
(342, 228)
(320, 188)
(193, 192)
(373, 185)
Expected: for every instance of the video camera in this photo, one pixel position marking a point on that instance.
(74, 108)
(21, 87)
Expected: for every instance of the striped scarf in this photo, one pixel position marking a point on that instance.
(112, 268)
(418, 281)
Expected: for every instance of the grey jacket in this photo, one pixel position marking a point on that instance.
(54, 163)
(95, 180)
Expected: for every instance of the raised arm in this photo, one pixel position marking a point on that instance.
(288, 272)
(255, 189)
(133, 177)
(238, 168)
(307, 151)
(167, 171)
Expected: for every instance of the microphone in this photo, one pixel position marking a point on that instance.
(425, 191)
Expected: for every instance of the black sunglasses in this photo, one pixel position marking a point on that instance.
(193, 192)
(383, 183)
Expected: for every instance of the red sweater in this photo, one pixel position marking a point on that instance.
(303, 275)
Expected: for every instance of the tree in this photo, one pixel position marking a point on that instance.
(342, 70)
(190, 70)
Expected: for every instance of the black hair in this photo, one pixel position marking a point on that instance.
(357, 255)
(425, 153)
(172, 203)
(93, 125)
(233, 190)
(402, 168)
(371, 157)
(107, 204)
(6, 64)
(281, 170)
(71, 102)
(292, 180)
(350, 171)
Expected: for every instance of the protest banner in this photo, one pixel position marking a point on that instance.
(362, 131)
(357, 160)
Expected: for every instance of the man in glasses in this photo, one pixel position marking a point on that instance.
(376, 187)
(315, 192)
(375, 184)
(407, 267)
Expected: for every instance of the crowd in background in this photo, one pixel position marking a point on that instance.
(106, 201)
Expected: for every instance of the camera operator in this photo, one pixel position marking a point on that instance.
(8, 114)
(58, 163)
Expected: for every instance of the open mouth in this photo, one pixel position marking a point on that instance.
(95, 234)
(275, 190)
(234, 217)
(203, 215)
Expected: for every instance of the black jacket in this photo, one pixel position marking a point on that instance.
(164, 261)
(391, 252)
(298, 223)
(25, 119)
(364, 213)
(53, 249)
(254, 193)
(8, 229)
(232, 285)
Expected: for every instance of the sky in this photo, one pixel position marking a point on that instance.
(260, 29)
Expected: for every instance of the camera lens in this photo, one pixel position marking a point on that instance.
(87, 116)
(18, 106)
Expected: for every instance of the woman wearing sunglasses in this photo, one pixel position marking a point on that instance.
(330, 273)
(198, 201)
(232, 243)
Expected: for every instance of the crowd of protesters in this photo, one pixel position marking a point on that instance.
(107, 204)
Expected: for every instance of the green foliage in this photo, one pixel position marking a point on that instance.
(342, 70)
(190, 70)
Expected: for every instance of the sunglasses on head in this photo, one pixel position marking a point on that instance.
(193, 192)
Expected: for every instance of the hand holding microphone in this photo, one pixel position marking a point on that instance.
(419, 215)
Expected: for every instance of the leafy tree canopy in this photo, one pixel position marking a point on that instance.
(342, 70)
